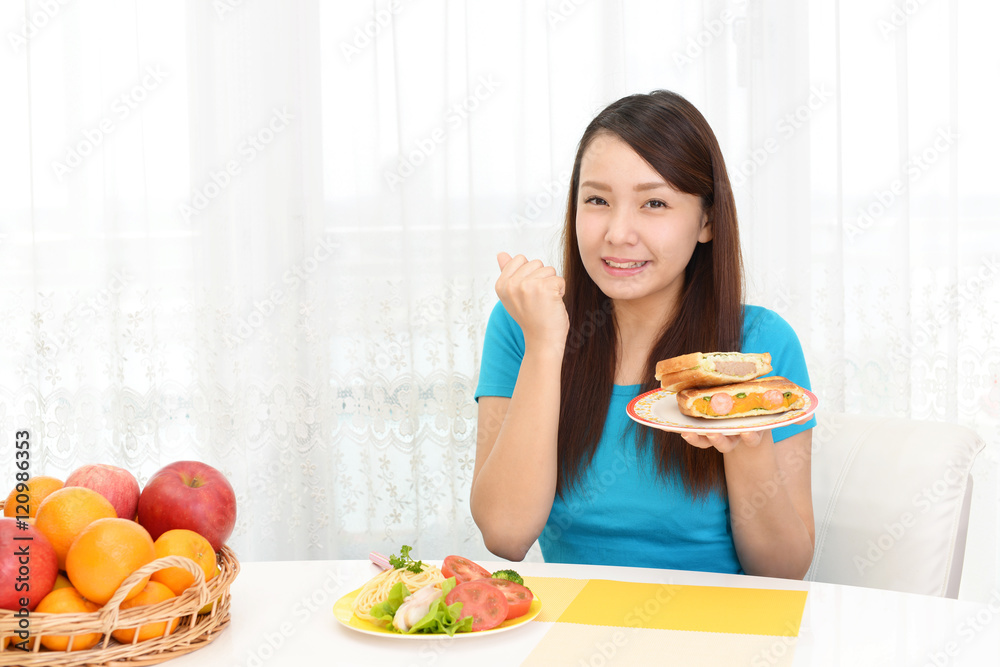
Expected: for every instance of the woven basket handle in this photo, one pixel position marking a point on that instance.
(190, 601)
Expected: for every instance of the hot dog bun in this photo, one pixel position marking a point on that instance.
(763, 396)
(711, 369)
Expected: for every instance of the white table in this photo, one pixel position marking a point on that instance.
(282, 616)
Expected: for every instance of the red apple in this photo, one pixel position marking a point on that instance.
(116, 484)
(28, 565)
(192, 495)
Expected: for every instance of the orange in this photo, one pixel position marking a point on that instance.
(66, 512)
(18, 644)
(104, 554)
(184, 542)
(38, 490)
(153, 592)
(67, 601)
(61, 582)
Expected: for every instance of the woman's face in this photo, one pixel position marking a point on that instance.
(636, 233)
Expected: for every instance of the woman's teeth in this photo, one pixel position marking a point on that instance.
(623, 265)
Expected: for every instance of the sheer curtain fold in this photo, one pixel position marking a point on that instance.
(264, 235)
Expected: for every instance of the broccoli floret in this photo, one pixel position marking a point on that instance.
(509, 575)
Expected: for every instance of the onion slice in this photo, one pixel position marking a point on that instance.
(379, 560)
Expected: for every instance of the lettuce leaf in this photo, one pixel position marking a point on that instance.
(384, 611)
(440, 618)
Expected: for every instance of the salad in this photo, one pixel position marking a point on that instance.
(412, 597)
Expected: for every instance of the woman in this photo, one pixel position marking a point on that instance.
(651, 269)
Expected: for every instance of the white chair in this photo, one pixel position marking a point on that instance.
(891, 501)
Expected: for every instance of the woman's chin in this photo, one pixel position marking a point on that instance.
(618, 292)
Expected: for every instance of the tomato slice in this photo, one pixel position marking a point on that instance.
(463, 569)
(484, 602)
(518, 597)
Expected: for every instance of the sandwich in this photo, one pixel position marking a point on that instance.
(711, 369)
(762, 396)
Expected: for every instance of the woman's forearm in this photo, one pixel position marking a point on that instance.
(514, 484)
(771, 535)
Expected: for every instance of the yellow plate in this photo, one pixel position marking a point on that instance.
(343, 611)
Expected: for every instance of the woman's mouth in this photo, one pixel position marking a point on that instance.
(623, 265)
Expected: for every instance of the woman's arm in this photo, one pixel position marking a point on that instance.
(514, 479)
(770, 500)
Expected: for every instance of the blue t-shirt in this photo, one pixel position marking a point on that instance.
(622, 512)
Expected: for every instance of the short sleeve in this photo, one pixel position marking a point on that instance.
(766, 331)
(503, 350)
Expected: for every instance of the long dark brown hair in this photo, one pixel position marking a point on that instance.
(671, 135)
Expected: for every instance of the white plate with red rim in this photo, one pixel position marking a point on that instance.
(658, 409)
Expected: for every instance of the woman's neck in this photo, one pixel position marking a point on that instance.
(638, 328)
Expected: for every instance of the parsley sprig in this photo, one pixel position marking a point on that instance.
(404, 562)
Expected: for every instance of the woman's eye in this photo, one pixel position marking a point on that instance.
(656, 203)
(594, 199)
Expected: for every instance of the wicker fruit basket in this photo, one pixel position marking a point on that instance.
(193, 631)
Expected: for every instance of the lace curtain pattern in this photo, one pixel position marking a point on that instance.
(263, 234)
(403, 423)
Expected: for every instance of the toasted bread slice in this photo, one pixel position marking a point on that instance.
(711, 369)
(763, 396)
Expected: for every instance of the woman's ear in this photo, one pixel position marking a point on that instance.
(706, 229)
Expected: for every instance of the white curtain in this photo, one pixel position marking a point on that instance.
(262, 233)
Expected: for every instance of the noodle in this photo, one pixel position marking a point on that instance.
(378, 587)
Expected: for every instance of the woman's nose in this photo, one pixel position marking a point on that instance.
(621, 228)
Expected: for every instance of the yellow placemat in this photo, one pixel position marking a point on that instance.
(753, 611)
(556, 594)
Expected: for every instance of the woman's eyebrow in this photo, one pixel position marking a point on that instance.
(650, 186)
(638, 188)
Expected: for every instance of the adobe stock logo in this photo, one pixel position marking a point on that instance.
(895, 531)
(122, 107)
(916, 166)
(317, 602)
(365, 36)
(699, 42)
(34, 22)
(784, 129)
(968, 630)
(899, 16)
(249, 149)
(553, 191)
(968, 294)
(456, 115)
(562, 12)
(299, 272)
(223, 7)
